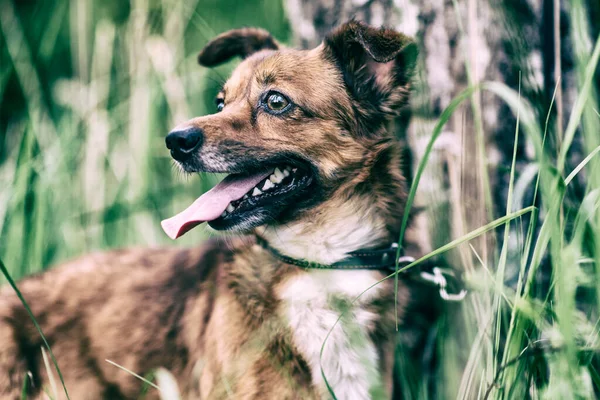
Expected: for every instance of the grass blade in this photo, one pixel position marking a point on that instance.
(579, 106)
(437, 130)
(37, 326)
(141, 378)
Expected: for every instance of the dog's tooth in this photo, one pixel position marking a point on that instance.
(224, 213)
(268, 185)
(278, 174)
(256, 192)
(245, 197)
(230, 208)
(286, 172)
(294, 169)
(276, 178)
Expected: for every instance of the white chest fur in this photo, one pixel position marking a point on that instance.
(339, 228)
(313, 302)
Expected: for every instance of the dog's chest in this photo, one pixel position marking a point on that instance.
(332, 331)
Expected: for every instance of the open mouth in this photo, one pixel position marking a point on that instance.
(242, 200)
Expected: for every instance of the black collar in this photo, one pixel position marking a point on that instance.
(382, 259)
(385, 260)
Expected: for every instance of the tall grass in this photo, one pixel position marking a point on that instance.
(89, 90)
(537, 339)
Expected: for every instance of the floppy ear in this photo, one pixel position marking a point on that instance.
(237, 42)
(377, 65)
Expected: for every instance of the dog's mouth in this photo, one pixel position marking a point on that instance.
(242, 200)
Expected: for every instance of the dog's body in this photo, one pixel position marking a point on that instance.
(232, 319)
(228, 320)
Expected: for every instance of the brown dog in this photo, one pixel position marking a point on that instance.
(315, 175)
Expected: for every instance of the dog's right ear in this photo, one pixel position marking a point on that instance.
(376, 65)
(237, 42)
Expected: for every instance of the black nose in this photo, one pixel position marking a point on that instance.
(182, 142)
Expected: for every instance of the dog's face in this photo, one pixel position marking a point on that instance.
(292, 126)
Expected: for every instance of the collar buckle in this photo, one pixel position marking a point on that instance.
(403, 259)
(385, 256)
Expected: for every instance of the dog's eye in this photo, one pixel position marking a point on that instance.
(277, 102)
(220, 104)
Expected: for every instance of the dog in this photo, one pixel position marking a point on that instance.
(294, 306)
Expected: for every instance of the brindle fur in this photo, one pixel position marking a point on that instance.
(215, 316)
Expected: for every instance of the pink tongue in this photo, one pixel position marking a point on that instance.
(211, 204)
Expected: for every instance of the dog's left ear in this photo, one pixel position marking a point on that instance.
(237, 42)
(376, 63)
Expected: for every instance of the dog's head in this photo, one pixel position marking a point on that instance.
(294, 128)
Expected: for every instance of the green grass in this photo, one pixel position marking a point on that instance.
(88, 92)
(82, 153)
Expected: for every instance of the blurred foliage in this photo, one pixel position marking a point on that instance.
(88, 91)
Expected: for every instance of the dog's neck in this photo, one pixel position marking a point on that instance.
(330, 232)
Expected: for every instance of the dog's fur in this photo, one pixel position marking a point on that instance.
(230, 320)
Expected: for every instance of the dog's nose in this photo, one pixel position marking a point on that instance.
(182, 142)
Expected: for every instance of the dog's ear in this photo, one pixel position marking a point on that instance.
(376, 63)
(237, 42)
